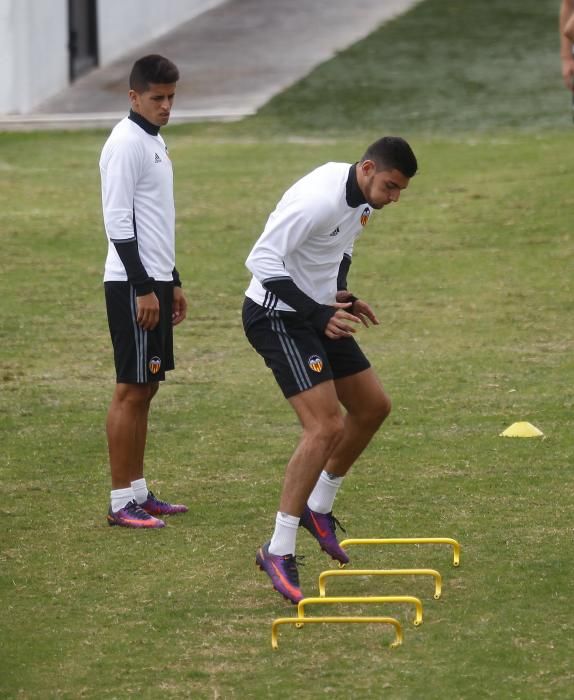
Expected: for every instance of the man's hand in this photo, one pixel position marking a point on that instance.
(338, 326)
(344, 296)
(359, 308)
(148, 311)
(363, 311)
(179, 306)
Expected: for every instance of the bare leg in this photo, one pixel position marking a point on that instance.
(367, 406)
(320, 416)
(126, 429)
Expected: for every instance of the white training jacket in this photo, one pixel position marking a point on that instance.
(307, 235)
(137, 200)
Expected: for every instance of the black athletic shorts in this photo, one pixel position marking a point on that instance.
(299, 357)
(140, 356)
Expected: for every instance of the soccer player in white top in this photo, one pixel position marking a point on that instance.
(143, 291)
(301, 318)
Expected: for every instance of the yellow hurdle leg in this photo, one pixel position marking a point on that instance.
(409, 540)
(382, 572)
(338, 620)
(360, 600)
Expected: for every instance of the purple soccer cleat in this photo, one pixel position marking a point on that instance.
(322, 527)
(154, 506)
(283, 572)
(132, 515)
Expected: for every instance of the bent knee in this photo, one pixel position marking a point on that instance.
(375, 413)
(329, 430)
(384, 407)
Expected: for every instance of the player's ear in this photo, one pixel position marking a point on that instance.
(368, 167)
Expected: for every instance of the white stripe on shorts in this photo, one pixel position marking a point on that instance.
(291, 351)
(140, 337)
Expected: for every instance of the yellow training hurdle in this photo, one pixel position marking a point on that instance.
(408, 540)
(362, 600)
(381, 572)
(337, 620)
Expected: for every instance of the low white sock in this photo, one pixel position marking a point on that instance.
(120, 498)
(285, 535)
(140, 490)
(323, 495)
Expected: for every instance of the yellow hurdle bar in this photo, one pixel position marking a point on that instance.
(410, 540)
(338, 620)
(360, 600)
(382, 572)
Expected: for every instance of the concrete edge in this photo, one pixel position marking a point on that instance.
(18, 122)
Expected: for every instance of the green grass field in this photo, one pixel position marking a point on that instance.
(471, 276)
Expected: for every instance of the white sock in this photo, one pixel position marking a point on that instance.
(285, 535)
(140, 490)
(120, 498)
(323, 495)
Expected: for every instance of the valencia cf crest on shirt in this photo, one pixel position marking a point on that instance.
(365, 215)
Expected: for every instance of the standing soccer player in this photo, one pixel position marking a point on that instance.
(300, 317)
(142, 287)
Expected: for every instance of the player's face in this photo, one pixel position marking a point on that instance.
(155, 103)
(380, 187)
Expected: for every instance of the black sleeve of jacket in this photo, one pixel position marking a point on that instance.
(343, 272)
(317, 314)
(136, 272)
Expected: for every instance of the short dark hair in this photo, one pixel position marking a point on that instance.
(152, 69)
(392, 153)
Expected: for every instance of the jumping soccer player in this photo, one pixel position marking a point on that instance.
(142, 286)
(300, 317)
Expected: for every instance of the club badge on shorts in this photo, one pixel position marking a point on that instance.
(315, 363)
(154, 364)
(365, 216)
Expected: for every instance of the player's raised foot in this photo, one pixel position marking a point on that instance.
(132, 515)
(283, 572)
(154, 506)
(322, 526)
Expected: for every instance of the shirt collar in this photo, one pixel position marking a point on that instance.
(143, 123)
(353, 192)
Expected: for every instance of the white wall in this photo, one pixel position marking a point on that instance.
(7, 56)
(34, 41)
(124, 25)
(33, 52)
